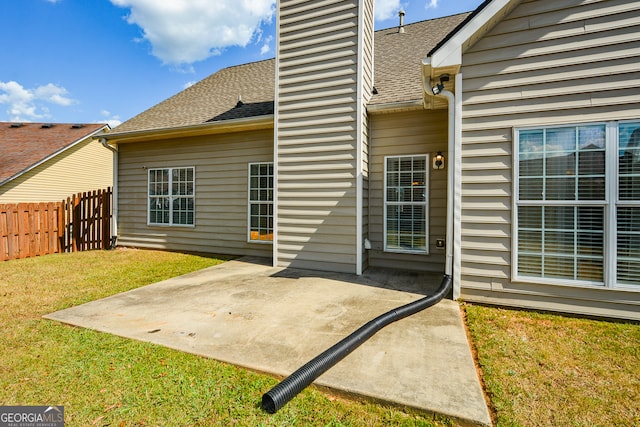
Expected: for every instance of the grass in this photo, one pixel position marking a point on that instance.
(538, 369)
(554, 370)
(104, 380)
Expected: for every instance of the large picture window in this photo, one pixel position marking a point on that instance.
(405, 214)
(261, 202)
(171, 196)
(569, 207)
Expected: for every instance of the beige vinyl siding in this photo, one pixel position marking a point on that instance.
(365, 187)
(408, 133)
(221, 199)
(318, 141)
(547, 63)
(367, 93)
(86, 166)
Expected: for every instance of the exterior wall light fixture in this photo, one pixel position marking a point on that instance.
(438, 161)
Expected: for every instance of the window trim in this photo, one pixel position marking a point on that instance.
(171, 197)
(385, 203)
(250, 202)
(610, 204)
(614, 209)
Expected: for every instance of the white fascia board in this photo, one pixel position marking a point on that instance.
(233, 125)
(450, 53)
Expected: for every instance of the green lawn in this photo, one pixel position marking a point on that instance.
(104, 380)
(538, 369)
(553, 370)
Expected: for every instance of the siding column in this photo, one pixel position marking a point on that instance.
(324, 81)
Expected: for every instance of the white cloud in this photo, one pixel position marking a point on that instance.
(29, 104)
(186, 31)
(266, 47)
(431, 4)
(386, 9)
(54, 94)
(112, 120)
(189, 84)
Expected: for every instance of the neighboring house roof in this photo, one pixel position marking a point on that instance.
(397, 65)
(26, 145)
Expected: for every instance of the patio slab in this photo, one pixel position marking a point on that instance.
(274, 320)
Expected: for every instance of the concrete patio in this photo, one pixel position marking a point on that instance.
(274, 320)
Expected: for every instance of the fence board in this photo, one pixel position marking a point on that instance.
(81, 222)
(4, 233)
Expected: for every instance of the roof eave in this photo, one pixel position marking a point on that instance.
(446, 57)
(208, 128)
(448, 53)
(394, 107)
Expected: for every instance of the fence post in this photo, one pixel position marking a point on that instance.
(76, 225)
(105, 211)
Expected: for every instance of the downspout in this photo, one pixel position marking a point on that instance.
(454, 182)
(114, 227)
(451, 99)
(286, 390)
(457, 190)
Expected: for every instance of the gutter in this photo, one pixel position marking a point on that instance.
(114, 220)
(234, 125)
(392, 107)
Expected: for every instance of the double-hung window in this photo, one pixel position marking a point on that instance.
(627, 210)
(171, 196)
(405, 211)
(577, 210)
(261, 202)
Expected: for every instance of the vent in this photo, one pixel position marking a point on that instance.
(401, 14)
(77, 126)
(16, 125)
(47, 126)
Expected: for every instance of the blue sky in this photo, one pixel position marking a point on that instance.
(86, 61)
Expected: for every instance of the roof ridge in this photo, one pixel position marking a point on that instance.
(24, 123)
(376, 31)
(425, 20)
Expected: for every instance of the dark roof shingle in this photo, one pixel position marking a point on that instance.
(25, 145)
(397, 65)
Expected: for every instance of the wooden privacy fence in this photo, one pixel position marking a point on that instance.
(29, 229)
(79, 223)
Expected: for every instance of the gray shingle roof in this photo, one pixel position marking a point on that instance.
(398, 57)
(397, 78)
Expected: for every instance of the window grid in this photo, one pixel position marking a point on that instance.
(405, 213)
(171, 196)
(628, 205)
(261, 202)
(571, 232)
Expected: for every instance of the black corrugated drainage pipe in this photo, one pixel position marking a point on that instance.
(278, 396)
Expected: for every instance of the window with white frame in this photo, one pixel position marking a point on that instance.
(171, 196)
(575, 198)
(628, 205)
(406, 206)
(261, 202)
